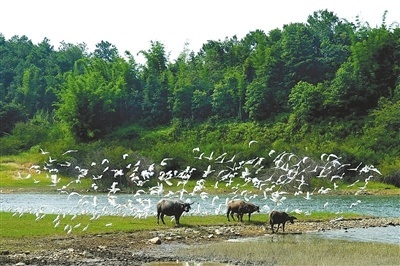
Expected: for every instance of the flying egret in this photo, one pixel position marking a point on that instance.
(196, 149)
(271, 152)
(252, 141)
(164, 161)
(355, 203)
(209, 157)
(44, 152)
(69, 151)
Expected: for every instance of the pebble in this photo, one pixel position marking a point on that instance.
(155, 240)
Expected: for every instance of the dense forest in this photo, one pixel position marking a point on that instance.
(327, 85)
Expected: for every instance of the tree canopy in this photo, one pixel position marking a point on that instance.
(327, 69)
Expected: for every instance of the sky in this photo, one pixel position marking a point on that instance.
(132, 25)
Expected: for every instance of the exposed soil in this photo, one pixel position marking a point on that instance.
(136, 248)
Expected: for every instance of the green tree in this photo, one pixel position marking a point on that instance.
(299, 54)
(266, 94)
(228, 96)
(331, 39)
(89, 101)
(155, 85)
(183, 89)
(370, 73)
(106, 51)
(307, 101)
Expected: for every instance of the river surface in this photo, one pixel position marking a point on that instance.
(128, 204)
(145, 205)
(389, 234)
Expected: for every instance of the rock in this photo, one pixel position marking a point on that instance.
(155, 240)
(20, 264)
(5, 252)
(218, 232)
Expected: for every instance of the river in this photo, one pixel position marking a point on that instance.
(127, 204)
(144, 206)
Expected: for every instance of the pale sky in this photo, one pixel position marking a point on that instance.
(131, 25)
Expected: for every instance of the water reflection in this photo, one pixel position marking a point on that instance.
(389, 234)
(186, 263)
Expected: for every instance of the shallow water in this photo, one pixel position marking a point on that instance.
(186, 263)
(389, 234)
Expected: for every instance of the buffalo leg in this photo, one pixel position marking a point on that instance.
(162, 218)
(177, 217)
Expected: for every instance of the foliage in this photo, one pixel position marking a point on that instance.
(89, 101)
(327, 84)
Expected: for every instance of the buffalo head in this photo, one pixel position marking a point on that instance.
(186, 206)
(291, 219)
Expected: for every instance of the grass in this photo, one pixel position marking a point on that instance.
(373, 187)
(277, 249)
(15, 170)
(14, 225)
(300, 250)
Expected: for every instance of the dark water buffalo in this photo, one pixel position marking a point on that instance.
(276, 217)
(171, 208)
(240, 207)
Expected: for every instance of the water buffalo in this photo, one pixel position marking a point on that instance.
(171, 208)
(240, 207)
(276, 217)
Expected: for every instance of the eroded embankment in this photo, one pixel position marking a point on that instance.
(136, 248)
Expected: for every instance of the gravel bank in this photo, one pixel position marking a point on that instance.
(138, 248)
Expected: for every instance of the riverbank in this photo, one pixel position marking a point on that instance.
(162, 245)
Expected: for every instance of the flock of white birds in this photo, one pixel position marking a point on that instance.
(288, 175)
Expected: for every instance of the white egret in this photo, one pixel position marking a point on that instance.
(209, 157)
(355, 203)
(164, 161)
(308, 196)
(353, 183)
(356, 168)
(271, 152)
(69, 151)
(43, 152)
(251, 142)
(215, 198)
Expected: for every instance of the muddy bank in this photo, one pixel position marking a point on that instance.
(138, 248)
